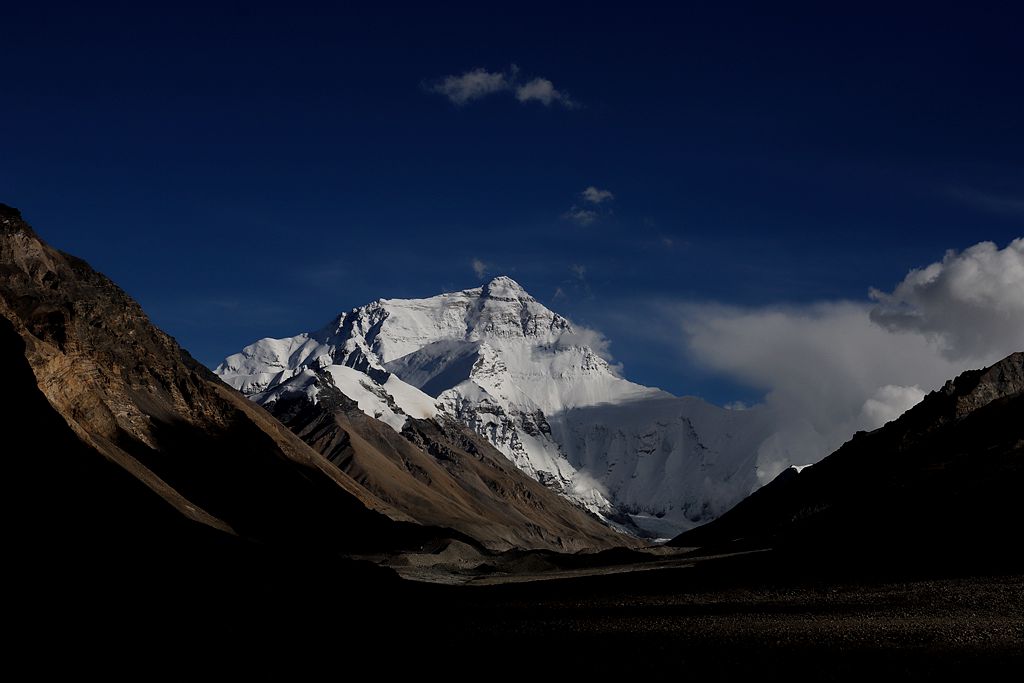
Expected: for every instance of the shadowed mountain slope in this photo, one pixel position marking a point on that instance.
(129, 394)
(131, 397)
(440, 472)
(946, 476)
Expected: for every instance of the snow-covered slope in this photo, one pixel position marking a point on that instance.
(523, 377)
(391, 402)
(670, 463)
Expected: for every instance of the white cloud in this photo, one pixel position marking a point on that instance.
(583, 216)
(889, 402)
(827, 369)
(583, 483)
(832, 368)
(579, 270)
(596, 196)
(585, 336)
(478, 83)
(479, 267)
(580, 216)
(471, 85)
(542, 90)
(971, 303)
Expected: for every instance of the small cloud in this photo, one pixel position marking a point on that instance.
(993, 203)
(596, 196)
(559, 294)
(542, 90)
(580, 216)
(668, 242)
(591, 338)
(583, 484)
(578, 284)
(736, 405)
(471, 85)
(480, 268)
(479, 83)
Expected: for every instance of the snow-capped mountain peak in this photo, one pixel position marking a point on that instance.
(522, 376)
(505, 310)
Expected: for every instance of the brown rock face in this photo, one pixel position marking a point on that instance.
(128, 392)
(441, 473)
(973, 390)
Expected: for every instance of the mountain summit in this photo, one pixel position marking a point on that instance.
(530, 382)
(492, 356)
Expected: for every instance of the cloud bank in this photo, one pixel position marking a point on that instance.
(971, 304)
(832, 368)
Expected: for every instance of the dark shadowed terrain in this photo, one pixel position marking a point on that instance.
(279, 616)
(939, 484)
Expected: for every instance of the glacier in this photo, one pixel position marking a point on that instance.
(522, 376)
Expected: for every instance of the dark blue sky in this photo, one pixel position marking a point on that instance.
(250, 171)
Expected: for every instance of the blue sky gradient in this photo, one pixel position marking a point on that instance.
(249, 171)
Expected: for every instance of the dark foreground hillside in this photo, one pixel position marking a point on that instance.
(941, 484)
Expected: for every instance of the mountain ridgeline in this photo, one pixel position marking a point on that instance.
(137, 402)
(524, 378)
(130, 425)
(943, 479)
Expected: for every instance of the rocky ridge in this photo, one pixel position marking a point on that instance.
(138, 400)
(945, 474)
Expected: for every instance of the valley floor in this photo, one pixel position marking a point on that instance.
(716, 620)
(824, 631)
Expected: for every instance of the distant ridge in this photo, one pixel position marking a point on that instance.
(945, 477)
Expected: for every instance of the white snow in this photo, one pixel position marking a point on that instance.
(680, 459)
(367, 394)
(392, 402)
(520, 375)
(411, 400)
